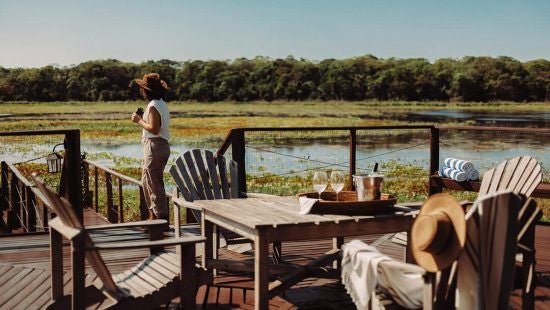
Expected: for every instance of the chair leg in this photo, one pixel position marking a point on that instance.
(188, 278)
(205, 299)
(529, 281)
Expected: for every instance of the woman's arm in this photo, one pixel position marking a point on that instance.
(153, 126)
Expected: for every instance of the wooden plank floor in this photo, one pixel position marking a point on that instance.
(25, 275)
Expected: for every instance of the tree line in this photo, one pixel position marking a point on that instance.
(359, 78)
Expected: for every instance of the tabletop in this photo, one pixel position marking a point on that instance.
(274, 211)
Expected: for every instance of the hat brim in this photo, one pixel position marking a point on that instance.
(448, 205)
(142, 84)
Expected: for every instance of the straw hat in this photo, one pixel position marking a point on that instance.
(152, 82)
(438, 233)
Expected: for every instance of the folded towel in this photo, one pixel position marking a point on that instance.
(473, 175)
(454, 174)
(458, 164)
(306, 204)
(360, 271)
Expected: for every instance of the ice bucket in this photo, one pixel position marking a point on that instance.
(368, 187)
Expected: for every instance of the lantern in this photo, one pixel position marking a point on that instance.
(54, 161)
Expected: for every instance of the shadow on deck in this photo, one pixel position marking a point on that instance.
(25, 272)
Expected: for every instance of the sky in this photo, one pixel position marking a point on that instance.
(35, 33)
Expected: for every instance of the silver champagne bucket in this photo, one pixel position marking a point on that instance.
(368, 187)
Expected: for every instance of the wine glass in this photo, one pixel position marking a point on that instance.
(337, 181)
(320, 182)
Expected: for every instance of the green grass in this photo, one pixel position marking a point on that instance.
(109, 122)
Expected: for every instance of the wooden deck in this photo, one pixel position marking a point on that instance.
(25, 273)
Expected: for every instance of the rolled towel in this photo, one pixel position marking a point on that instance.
(454, 174)
(458, 164)
(473, 175)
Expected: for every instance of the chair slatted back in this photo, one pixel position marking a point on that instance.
(486, 266)
(63, 209)
(528, 217)
(520, 174)
(199, 175)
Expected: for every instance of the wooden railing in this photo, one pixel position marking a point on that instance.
(26, 208)
(235, 140)
(114, 181)
(113, 190)
(22, 208)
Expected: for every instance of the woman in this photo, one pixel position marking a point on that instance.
(154, 139)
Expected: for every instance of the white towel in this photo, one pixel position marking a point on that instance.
(458, 164)
(473, 175)
(360, 271)
(454, 174)
(403, 282)
(306, 204)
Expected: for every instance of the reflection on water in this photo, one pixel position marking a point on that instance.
(496, 118)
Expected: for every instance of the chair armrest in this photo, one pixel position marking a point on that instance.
(127, 225)
(146, 244)
(65, 231)
(180, 202)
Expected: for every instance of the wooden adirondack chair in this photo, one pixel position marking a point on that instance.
(200, 176)
(485, 266)
(521, 175)
(154, 281)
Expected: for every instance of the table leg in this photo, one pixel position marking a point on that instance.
(337, 243)
(261, 280)
(215, 245)
(207, 229)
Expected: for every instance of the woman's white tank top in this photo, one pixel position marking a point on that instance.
(164, 132)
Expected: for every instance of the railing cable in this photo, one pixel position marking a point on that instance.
(327, 164)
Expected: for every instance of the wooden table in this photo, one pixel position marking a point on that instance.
(275, 219)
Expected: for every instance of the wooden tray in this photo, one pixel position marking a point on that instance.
(347, 204)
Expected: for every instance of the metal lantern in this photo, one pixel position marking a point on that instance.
(54, 161)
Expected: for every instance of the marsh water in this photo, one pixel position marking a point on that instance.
(298, 155)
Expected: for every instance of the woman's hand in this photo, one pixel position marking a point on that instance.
(136, 118)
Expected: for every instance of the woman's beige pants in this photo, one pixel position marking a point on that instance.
(156, 152)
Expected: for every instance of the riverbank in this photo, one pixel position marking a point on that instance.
(109, 122)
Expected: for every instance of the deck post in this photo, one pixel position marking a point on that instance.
(96, 188)
(121, 202)
(74, 175)
(14, 221)
(238, 153)
(352, 156)
(4, 193)
(86, 185)
(434, 158)
(143, 210)
(111, 214)
(31, 209)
